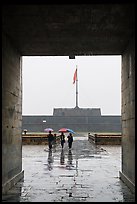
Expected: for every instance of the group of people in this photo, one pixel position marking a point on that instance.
(52, 138)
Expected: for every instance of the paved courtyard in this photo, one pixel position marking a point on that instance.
(86, 173)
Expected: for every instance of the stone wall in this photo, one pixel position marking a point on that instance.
(128, 115)
(11, 114)
(76, 123)
(77, 111)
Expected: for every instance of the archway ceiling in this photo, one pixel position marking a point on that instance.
(69, 29)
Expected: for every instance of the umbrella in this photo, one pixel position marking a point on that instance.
(69, 130)
(66, 130)
(48, 129)
(63, 130)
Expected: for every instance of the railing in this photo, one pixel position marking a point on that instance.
(105, 138)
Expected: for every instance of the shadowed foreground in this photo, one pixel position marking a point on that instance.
(87, 172)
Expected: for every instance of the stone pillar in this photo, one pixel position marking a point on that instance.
(128, 116)
(11, 115)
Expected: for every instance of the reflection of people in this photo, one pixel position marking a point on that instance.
(62, 157)
(70, 158)
(55, 138)
(62, 138)
(70, 140)
(50, 160)
(50, 139)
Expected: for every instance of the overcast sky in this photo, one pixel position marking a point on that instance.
(48, 84)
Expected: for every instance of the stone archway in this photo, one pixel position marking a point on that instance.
(64, 30)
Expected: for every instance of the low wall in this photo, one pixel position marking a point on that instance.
(36, 139)
(105, 139)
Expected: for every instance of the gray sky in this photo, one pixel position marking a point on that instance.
(48, 84)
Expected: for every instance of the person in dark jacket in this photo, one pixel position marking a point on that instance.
(50, 139)
(62, 139)
(70, 140)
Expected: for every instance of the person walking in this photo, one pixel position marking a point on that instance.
(70, 140)
(62, 138)
(50, 139)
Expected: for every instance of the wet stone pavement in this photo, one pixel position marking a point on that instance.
(86, 173)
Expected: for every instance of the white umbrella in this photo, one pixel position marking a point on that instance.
(48, 129)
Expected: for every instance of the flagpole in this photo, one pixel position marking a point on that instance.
(77, 88)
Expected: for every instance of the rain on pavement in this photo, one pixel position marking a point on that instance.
(86, 173)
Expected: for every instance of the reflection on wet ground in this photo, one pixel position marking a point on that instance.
(50, 160)
(62, 157)
(85, 173)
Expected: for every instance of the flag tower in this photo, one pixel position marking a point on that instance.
(75, 79)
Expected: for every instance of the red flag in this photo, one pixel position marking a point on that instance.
(75, 76)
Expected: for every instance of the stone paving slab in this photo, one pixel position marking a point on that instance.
(86, 173)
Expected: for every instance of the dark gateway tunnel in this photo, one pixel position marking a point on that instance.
(64, 30)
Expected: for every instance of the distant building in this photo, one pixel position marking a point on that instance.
(77, 111)
(78, 119)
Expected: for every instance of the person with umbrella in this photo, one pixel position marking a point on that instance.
(70, 140)
(50, 139)
(62, 139)
(70, 137)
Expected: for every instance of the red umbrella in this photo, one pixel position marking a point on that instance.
(63, 130)
(66, 130)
